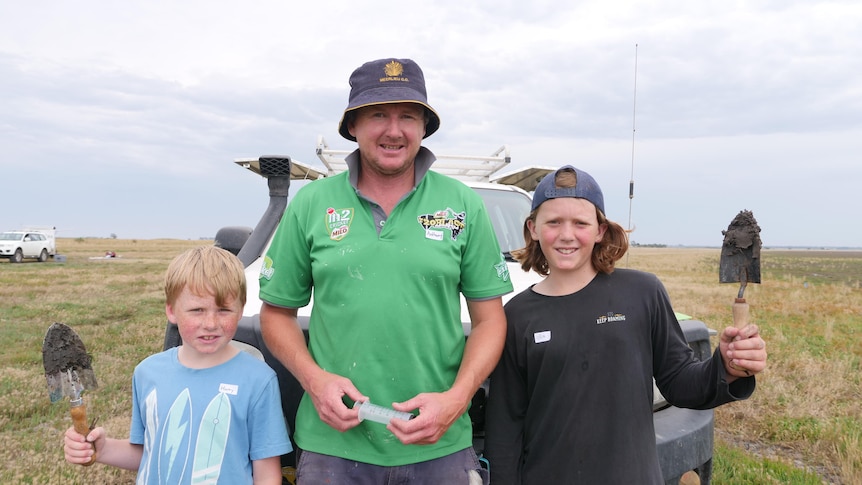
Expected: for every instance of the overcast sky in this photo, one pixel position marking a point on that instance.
(125, 117)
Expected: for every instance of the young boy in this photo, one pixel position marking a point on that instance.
(203, 412)
(571, 398)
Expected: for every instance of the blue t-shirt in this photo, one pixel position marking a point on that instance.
(205, 425)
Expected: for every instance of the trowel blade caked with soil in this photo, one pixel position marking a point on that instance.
(740, 252)
(68, 367)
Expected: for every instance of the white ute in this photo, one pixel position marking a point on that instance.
(684, 437)
(30, 242)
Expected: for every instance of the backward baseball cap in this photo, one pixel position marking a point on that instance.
(386, 81)
(585, 188)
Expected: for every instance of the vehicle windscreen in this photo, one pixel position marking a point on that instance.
(10, 236)
(508, 211)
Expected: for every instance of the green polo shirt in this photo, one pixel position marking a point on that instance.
(386, 309)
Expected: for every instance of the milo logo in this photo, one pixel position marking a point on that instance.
(338, 222)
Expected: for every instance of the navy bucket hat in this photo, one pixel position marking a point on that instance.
(386, 81)
(586, 188)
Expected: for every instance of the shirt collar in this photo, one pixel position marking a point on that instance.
(424, 159)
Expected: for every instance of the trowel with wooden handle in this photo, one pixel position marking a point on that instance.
(69, 373)
(740, 260)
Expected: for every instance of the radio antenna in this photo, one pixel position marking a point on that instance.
(632, 179)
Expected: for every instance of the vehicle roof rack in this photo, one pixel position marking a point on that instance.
(462, 167)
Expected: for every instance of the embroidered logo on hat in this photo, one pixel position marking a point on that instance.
(393, 70)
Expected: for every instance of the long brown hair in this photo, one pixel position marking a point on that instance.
(606, 252)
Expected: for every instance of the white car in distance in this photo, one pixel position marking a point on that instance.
(17, 245)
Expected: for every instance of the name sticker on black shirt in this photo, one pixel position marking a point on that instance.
(540, 337)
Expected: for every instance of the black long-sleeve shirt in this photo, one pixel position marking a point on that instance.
(571, 400)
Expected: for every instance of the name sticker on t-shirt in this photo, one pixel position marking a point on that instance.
(433, 234)
(228, 389)
(540, 337)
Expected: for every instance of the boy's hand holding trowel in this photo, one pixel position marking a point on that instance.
(742, 348)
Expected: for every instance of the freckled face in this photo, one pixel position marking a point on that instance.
(567, 229)
(389, 136)
(205, 327)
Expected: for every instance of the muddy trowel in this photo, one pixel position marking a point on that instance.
(69, 373)
(740, 260)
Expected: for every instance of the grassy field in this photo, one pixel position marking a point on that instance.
(803, 425)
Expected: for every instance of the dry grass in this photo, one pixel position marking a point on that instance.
(805, 413)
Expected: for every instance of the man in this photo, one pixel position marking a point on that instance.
(387, 247)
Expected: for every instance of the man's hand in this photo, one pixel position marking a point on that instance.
(326, 391)
(437, 412)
